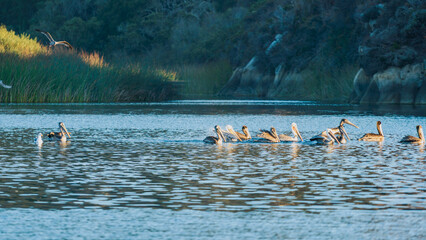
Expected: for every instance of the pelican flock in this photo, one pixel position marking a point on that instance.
(330, 136)
(52, 41)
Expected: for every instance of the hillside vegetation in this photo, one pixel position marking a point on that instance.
(286, 49)
(39, 74)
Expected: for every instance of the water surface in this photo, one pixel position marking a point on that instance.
(129, 162)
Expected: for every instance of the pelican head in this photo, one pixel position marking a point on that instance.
(274, 132)
(63, 128)
(296, 131)
(344, 120)
(379, 128)
(333, 137)
(219, 133)
(246, 131)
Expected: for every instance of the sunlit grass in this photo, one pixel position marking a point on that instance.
(38, 74)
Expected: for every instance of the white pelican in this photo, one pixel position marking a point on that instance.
(268, 136)
(52, 42)
(39, 139)
(4, 85)
(296, 135)
(215, 140)
(328, 139)
(61, 135)
(411, 139)
(374, 137)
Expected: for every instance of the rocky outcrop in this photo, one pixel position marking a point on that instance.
(248, 81)
(395, 85)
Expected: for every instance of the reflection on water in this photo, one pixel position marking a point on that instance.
(153, 157)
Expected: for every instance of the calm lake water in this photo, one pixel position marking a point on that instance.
(142, 171)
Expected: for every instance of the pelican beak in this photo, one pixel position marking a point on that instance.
(65, 130)
(297, 132)
(220, 134)
(348, 122)
(332, 135)
(345, 133)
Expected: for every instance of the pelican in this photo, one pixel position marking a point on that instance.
(231, 135)
(343, 135)
(39, 140)
(326, 140)
(334, 130)
(269, 136)
(374, 137)
(411, 139)
(4, 85)
(296, 135)
(215, 140)
(245, 135)
(52, 42)
(61, 135)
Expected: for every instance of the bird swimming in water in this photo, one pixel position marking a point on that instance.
(245, 135)
(39, 139)
(374, 137)
(411, 139)
(61, 135)
(343, 135)
(52, 42)
(4, 85)
(335, 130)
(268, 136)
(328, 139)
(230, 134)
(216, 140)
(296, 135)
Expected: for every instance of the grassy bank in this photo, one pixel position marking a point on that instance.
(39, 74)
(318, 83)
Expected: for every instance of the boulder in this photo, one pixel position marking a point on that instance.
(389, 84)
(371, 95)
(412, 77)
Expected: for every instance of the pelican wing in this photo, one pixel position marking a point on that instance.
(65, 43)
(211, 139)
(371, 136)
(267, 135)
(4, 85)
(410, 139)
(46, 34)
(287, 138)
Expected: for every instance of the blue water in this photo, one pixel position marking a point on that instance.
(142, 171)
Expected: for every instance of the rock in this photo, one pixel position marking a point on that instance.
(247, 82)
(388, 83)
(371, 95)
(394, 85)
(412, 77)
